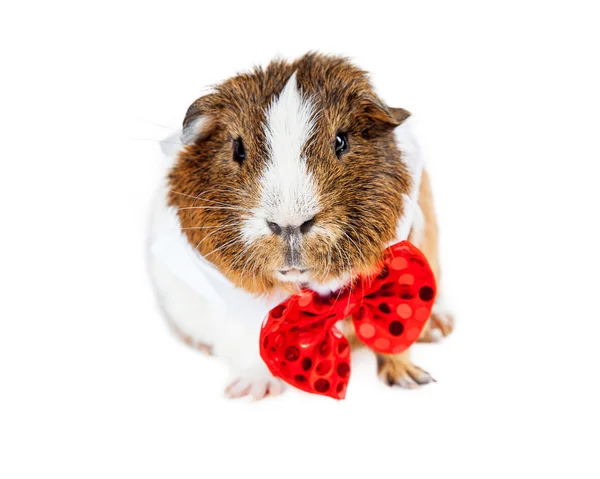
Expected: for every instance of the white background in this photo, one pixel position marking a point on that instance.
(92, 382)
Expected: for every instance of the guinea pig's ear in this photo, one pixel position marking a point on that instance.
(382, 118)
(197, 119)
(400, 115)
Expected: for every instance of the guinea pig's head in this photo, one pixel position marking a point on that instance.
(290, 175)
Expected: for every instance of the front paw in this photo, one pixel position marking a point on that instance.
(256, 382)
(398, 370)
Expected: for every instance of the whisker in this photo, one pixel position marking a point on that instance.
(210, 234)
(250, 258)
(356, 246)
(239, 256)
(211, 201)
(158, 141)
(355, 232)
(339, 290)
(328, 269)
(199, 197)
(254, 277)
(210, 208)
(229, 243)
(351, 274)
(207, 227)
(343, 268)
(212, 190)
(158, 124)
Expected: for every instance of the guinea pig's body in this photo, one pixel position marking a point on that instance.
(289, 177)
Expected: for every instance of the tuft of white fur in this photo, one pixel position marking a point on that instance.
(327, 289)
(193, 130)
(288, 193)
(417, 231)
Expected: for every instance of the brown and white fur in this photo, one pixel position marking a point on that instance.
(292, 211)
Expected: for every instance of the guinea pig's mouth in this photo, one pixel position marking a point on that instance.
(293, 275)
(308, 278)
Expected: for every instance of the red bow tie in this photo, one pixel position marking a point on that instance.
(300, 343)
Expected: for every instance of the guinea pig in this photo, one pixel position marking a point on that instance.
(287, 177)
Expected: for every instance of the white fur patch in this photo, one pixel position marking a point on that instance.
(326, 289)
(193, 130)
(205, 306)
(417, 232)
(288, 191)
(411, 156)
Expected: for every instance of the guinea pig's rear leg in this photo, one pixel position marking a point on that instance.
(398, 370)
(440, 323)
(425, 236)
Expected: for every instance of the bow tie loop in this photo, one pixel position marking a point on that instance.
(300, 342)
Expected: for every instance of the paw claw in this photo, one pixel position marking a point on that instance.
(398, 371)
(423, 377)
(237, 389)
(436, 334)
(275, 389)
(406, 382)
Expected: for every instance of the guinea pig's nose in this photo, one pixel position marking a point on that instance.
(307, 225)
(290, 230)
(274, 227)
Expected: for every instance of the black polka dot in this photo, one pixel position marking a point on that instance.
(323, 367)
(292, 353)
(300, 378)
(384, 308)
(343, 369)
(406, 293)
(324, 348)
(306, 364)
(322, 385)
(426, 293)
(396, 328)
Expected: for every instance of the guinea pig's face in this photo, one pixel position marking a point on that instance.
(291, 176)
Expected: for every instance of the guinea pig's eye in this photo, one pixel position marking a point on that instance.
(239, 153)
(341, 143)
